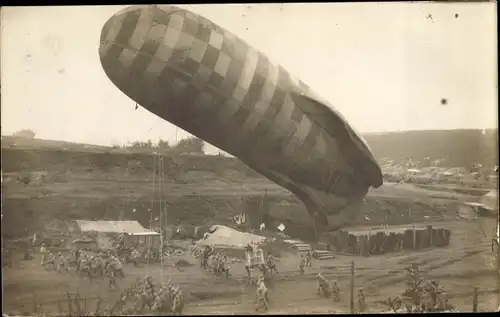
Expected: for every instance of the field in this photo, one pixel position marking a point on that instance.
(207, 190)
(468, 262)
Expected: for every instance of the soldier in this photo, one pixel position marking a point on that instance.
(134, 256)
(270, 264)
(61, 261)
(43, 252)
(178, 301)
(148, 284)
(302, 264)
(117, 266)
(361, 300)
(249, 274)
(86, 268)
(34, 240)
(67, 263)
(99, 264)
(112, 279)
(207, 251)
(51, 260)
(308, 258)
(162, 303)
(323, 287)
(335, 291)
(77, 254)
(262, 298)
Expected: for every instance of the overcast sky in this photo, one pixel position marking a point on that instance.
(384, 66)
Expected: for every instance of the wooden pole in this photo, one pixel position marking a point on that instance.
(351, 302)
(474, 300)
(497, 256)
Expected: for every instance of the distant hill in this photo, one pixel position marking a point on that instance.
(456, 147)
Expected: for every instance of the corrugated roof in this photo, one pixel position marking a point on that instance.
(111, 226)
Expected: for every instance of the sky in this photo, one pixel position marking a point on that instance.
(384, 66)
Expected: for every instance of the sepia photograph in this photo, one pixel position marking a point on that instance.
(236, 159)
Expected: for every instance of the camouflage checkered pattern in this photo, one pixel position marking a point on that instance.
(210, 83)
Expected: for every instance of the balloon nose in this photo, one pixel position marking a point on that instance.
(120, 27)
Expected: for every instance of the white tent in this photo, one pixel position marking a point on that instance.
(491, 199)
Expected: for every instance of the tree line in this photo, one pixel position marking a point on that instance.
(188, 145)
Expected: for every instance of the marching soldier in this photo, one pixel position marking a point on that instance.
(323, 287)
(178, 301)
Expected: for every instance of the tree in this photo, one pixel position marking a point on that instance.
(24, 133)
(163, 145)
(191, 145)
(141, 145)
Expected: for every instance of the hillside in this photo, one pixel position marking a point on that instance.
(46, 183)
(456, 147)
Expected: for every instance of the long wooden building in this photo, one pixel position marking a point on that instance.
(367, 242)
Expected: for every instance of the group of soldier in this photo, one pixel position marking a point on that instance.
(167, 298)
(326, 289)
(84, 262)
(216, 262)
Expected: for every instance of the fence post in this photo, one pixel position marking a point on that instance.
(351, 302)
(474, 300)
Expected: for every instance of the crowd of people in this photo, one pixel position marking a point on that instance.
(143, 295)
(169, 298)
(84, 262)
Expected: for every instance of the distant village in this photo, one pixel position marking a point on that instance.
(435, 171)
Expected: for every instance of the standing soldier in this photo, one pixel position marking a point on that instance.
(270, 264)
(249, 274)
(61, 261)
(262, 295)
(361, 300)
(335, 291)
(51, 260)
(77, 254)
(34, 240)
(117, 266)
(308, 258)
(206, 253)
(302, 264)
(112, 279)
(43, 252)
(134, 256)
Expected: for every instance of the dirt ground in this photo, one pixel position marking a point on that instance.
(468, 262)
(73, 190)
